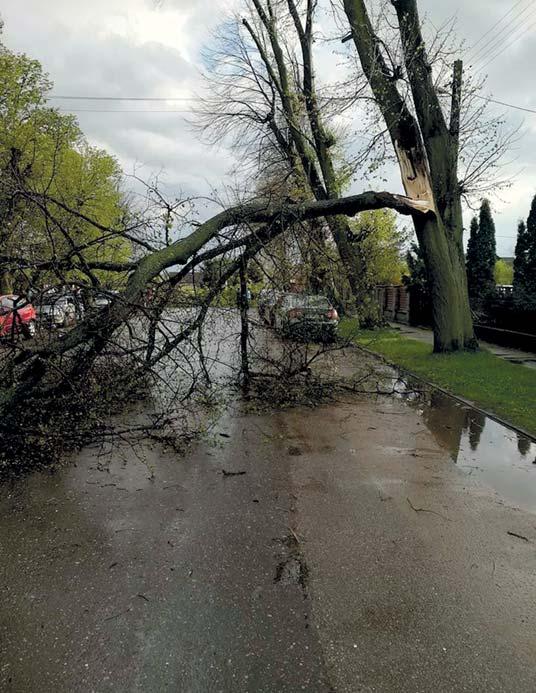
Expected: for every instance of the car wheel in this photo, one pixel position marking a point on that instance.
(29, 329)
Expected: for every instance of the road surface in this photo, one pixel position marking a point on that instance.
(335, 549)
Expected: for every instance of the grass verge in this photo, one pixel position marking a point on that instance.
(506, 389)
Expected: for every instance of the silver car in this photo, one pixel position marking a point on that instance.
(305, 316)
(50, 315)
(56, 311)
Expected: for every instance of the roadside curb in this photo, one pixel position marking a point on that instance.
(458, 398)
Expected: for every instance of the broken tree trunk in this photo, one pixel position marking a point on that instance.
(427, 152)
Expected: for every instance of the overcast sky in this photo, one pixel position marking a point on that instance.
(153, 48)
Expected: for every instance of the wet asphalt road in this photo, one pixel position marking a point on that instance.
(352, 555)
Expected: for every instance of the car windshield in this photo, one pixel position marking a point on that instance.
(320, 302)
(303, 301)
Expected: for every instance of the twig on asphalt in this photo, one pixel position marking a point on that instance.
(121, 613)
(226, 473)
(295, 535)
(426, 510)
(519, 536)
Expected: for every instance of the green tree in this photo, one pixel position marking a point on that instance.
(44, 153)
(381, 243)
(487, 245)
(471, 256)
(481, 258)
(525, 263)
(528, 283)
(503, 273)
(520, 265)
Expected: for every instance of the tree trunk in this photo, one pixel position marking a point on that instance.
(316, 281)
(452, 322)
(339, 229)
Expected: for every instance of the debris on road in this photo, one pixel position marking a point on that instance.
(519, 536)
(426, 510)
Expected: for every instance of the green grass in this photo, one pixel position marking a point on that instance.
(506, 389)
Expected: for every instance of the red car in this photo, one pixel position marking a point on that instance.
(16, 316)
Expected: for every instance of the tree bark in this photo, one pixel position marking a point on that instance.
(451, 317)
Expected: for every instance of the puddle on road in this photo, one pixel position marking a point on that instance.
(484, 448)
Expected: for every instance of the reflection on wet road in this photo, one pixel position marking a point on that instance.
(493, 453)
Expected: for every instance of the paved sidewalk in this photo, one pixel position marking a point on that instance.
(524, 358)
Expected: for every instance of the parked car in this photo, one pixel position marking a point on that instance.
(306, 317)
(49, 315)
(17, 316)
(103, 299)
(56, 310)
(68, 304)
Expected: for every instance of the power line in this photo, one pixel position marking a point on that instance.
(127, 110)
(488, 32)
(122, 98)
(504, 103)
(500, 43)
(119, 110)
(496, 40)
(508, 45)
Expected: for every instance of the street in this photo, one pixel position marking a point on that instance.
(329, 549)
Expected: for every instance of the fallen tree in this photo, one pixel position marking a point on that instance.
(32, 366)
(60, 371)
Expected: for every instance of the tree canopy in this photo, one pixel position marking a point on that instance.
(44, 153)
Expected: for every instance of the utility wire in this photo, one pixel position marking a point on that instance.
(128, 110)
(497, 40)
(508, 45)
(504, 103)
(488, 32)
(120, 110)
(122, 98)
(500, 43)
